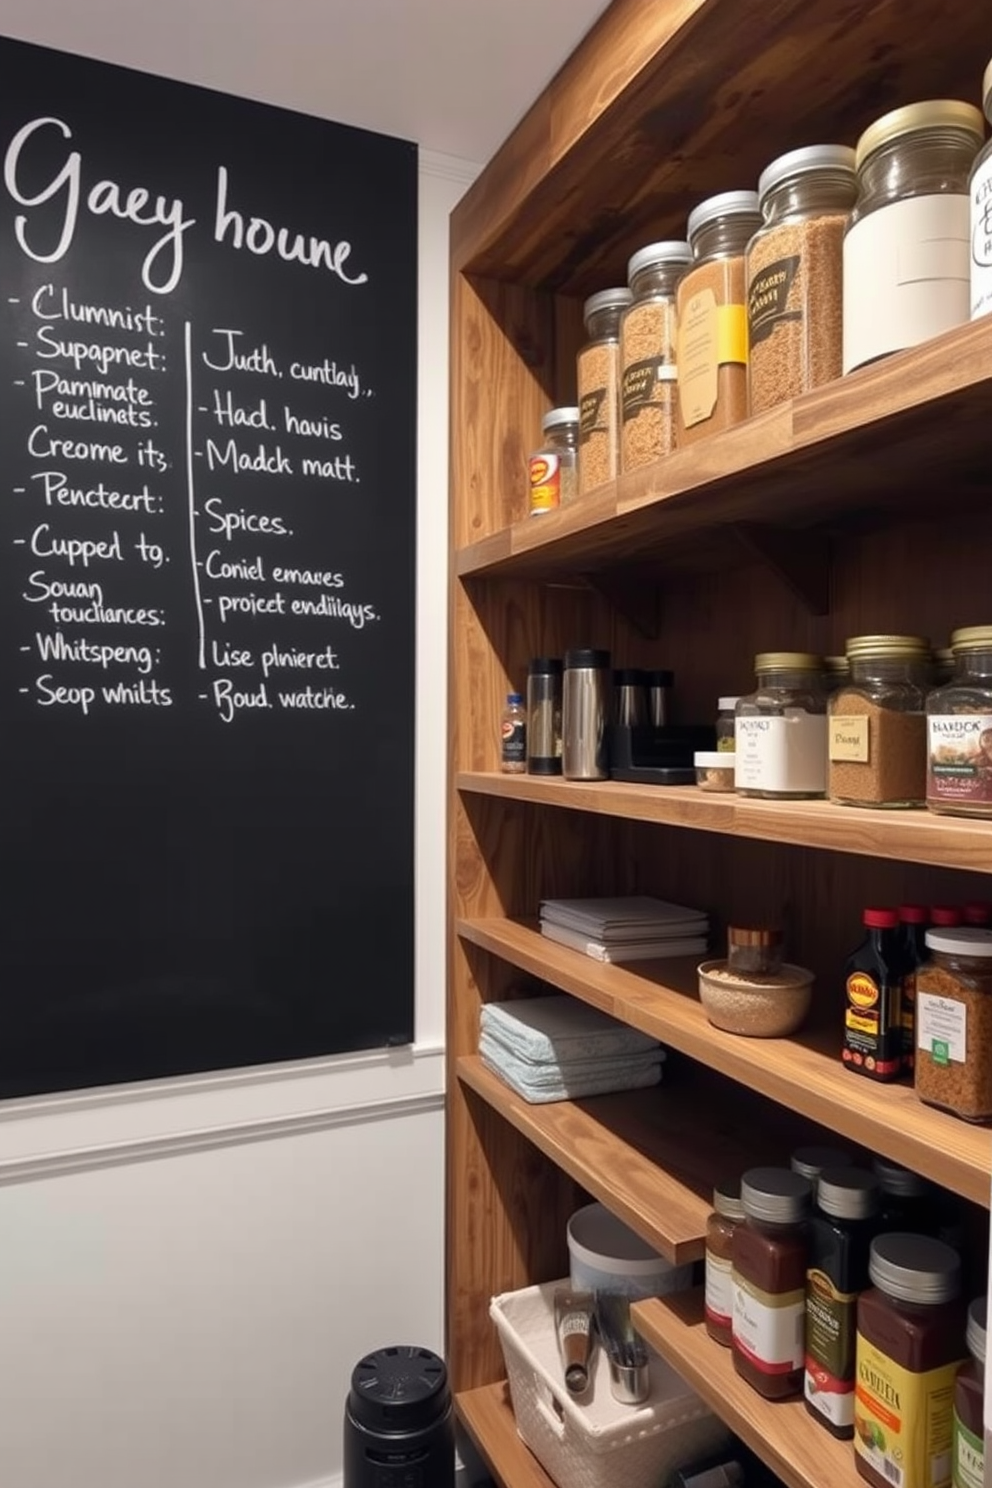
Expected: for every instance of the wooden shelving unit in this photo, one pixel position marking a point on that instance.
(859, 508)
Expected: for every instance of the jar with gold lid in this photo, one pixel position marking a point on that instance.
(782, 729)
(959, 730)
(878, 723)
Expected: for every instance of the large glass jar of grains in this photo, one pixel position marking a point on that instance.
(959, 729)
(906, 252)
(712, 317)
(878, 726)
(794, 271)
(598, 375)
(647, 354)
(980, 185)
(782, 729)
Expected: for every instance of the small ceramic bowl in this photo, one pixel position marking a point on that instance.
(755, 1006)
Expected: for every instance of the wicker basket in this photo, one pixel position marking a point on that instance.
(597, 1443)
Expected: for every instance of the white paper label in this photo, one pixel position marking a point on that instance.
(942, 1028)
(907, 275)
(787, 754)
(719, 1290)
(771, 1336)
(981, 240)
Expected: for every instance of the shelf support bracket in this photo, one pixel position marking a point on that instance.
(800, 559)
(634, 592)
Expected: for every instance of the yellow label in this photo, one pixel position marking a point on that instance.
(861, 1022)
(903, 1422)
(731, 334)
(861, 990)
(849, 737)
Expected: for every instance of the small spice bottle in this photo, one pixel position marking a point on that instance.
(906, 251)
(878, 724)
(754, 950)
(728, 1213)
(980, 188)
(910, 1342)
(794, 272)
(598, 376)
(712, 317)
(914, 919)
(909, 1202)
(840, 1235)
(781, 729)
(968, 1451)
(959, 730)
(513, 736)
(648, 370)
(544, 716)
(726, 724)
(809, 1162)
(769, 1253)
(954, 1023)
(552, 467)
(873, 1017)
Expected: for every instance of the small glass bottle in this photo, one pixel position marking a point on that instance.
(781, 729)
(968, 1451)
(552, 467)
(598, 376)
(728, 1213)
(726, 724)
(873, 1037)
(754, 950)
(769, 1282)
(840, 1235)
(959, 728)
(648, 370)
(878, 724)
(513, 736)
(980, 189)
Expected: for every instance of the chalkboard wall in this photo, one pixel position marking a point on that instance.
(207, 464)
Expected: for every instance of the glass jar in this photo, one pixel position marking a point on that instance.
(968, 1452)
(769, 1282)
(836, 670)
(942, 666)
(726, 723)
(794, 271)
(906, 250)
(878, 726)
(954, 1023)
(552, 467)
(782, 729)
(840, 1234)
(598, 375)
(980, 187)
(910, 1342)
(711, 304)
(513, 736)
(959, 729)
(754, 951)
(648, 368)
(728, 1213)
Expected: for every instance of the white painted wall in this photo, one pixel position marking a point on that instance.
(189, 1269)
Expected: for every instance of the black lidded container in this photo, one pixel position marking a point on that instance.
(544, 716)
(399, 1427)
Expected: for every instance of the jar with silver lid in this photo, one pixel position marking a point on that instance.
(782, 729)
(598, 377)
(648, 362)
(552, 467)
(980, 189)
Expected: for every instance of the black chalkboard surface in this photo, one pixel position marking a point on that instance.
(207, 505)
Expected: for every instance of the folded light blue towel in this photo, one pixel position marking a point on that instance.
(541, 1083)
(559, 1029)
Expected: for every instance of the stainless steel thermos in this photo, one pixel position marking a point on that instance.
(585, 714)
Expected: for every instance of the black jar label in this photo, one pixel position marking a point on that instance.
(640, 385)
(767, 298)
(592, 414)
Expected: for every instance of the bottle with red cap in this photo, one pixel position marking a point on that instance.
(979, 914)
(873, 1030)
(914, 919)
(945, 916)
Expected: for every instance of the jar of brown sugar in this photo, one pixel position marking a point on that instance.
(769, 1282)
(598, 375)
(959, 729)
(794, 274)
(728, 1213)
(648, 368)
(954, 1023)
(877, 723)
(712, 317)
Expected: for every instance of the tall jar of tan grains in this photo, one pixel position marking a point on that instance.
(648, 367)
(712, 315)
(794, 273)
(598, 376)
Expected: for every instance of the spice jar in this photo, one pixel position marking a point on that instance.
(968, 1451)
(552, 467)
(794, 271)
(598, 375)
(648, 368)
(544, 716)
(769, 1281)
(728, 1213)
(726, 723)
(840, 1235)
(980, 187)
(754, 951)
(954, 1023)
(909, 1345)
(873, 1036)
(782, 729)
(906, 250)
(712, 317)
(959, 730)
(809, 1162)
(878, 724)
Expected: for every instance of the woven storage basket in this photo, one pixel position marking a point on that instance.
(594, 1442)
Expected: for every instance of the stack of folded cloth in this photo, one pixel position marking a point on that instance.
(555, 1048)
(632, 929)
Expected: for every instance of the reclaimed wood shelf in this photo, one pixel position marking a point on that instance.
(913, 836)
(781, 1433)
(802, 1074)
(487, 1416)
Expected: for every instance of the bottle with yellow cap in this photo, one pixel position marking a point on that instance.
(980, 186)
(959, 730)
(781, 729)
(907, 249)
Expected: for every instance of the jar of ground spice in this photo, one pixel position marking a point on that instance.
(647, 354)
(711, 304)
(598, 375)
(954, 1023)
(877, 722)
(794, 273)
(959, 729)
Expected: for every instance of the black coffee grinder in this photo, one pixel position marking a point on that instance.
(399, 1429)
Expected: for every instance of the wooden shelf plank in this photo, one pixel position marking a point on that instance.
(803, 1074)
(487, 1416)
(782, 1434)
(913, 836)
(924, 405)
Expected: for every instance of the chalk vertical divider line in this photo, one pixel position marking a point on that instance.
(191, 489)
